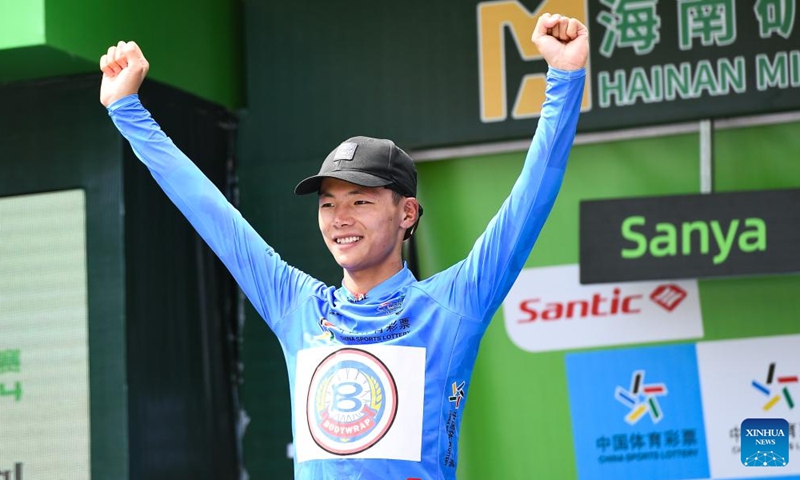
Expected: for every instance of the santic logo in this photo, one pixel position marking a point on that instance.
(352, 402)
(667, 297)
(776, 388)
(641, 398)
(548, 309)
(765, 442)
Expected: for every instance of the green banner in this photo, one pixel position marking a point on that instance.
(466, 72)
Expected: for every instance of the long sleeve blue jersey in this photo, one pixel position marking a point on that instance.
(378, 384)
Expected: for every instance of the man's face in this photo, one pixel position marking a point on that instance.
(362, 226)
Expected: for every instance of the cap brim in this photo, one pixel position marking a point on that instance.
(312, 184)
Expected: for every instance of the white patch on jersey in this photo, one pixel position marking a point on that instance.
(359, 401)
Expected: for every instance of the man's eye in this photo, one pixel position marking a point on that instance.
(325, 205)
(362, 202)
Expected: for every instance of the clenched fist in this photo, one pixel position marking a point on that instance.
(124, 69)
(562, 41)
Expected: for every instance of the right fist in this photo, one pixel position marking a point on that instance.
(124, 68)
(562, 41)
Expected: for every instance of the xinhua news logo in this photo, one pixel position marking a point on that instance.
(765, 442)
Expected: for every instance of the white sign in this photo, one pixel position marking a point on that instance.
(548, 309)
(750, 378)
(44, 369)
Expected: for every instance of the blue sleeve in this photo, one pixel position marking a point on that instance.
(272, 286)
(476, 286)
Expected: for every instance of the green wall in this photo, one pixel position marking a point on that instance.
(461, 195)
(22, 23)
(195, 46)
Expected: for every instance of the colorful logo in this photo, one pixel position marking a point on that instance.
(326, 327)
(458, 394)
(765, 442)
(782, 387)
(641, 398)
(352, 402)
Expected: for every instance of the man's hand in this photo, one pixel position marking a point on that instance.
(562, 41)
(124, 68)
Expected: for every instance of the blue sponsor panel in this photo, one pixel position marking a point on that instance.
(637, 413)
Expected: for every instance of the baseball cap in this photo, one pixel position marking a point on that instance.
(369, 162)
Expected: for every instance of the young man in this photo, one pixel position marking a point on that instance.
(379, 369)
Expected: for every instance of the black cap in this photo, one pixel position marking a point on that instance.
(369, 162)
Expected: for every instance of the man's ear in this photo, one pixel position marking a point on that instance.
(410, 211)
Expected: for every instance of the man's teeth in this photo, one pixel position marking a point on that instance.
(346, 240)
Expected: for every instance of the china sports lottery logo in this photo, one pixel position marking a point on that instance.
(352, 402)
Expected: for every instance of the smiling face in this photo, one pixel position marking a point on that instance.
(363, 228)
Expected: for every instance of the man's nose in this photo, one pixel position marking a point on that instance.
(343, 216)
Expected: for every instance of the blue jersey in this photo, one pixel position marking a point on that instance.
(378, 382)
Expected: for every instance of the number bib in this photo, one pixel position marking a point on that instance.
(359, 402)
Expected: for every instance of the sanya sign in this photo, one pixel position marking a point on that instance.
(690, 236)
(671, 240)
(548, 309)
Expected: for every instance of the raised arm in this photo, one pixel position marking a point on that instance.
(482, 280)
(270, 284)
